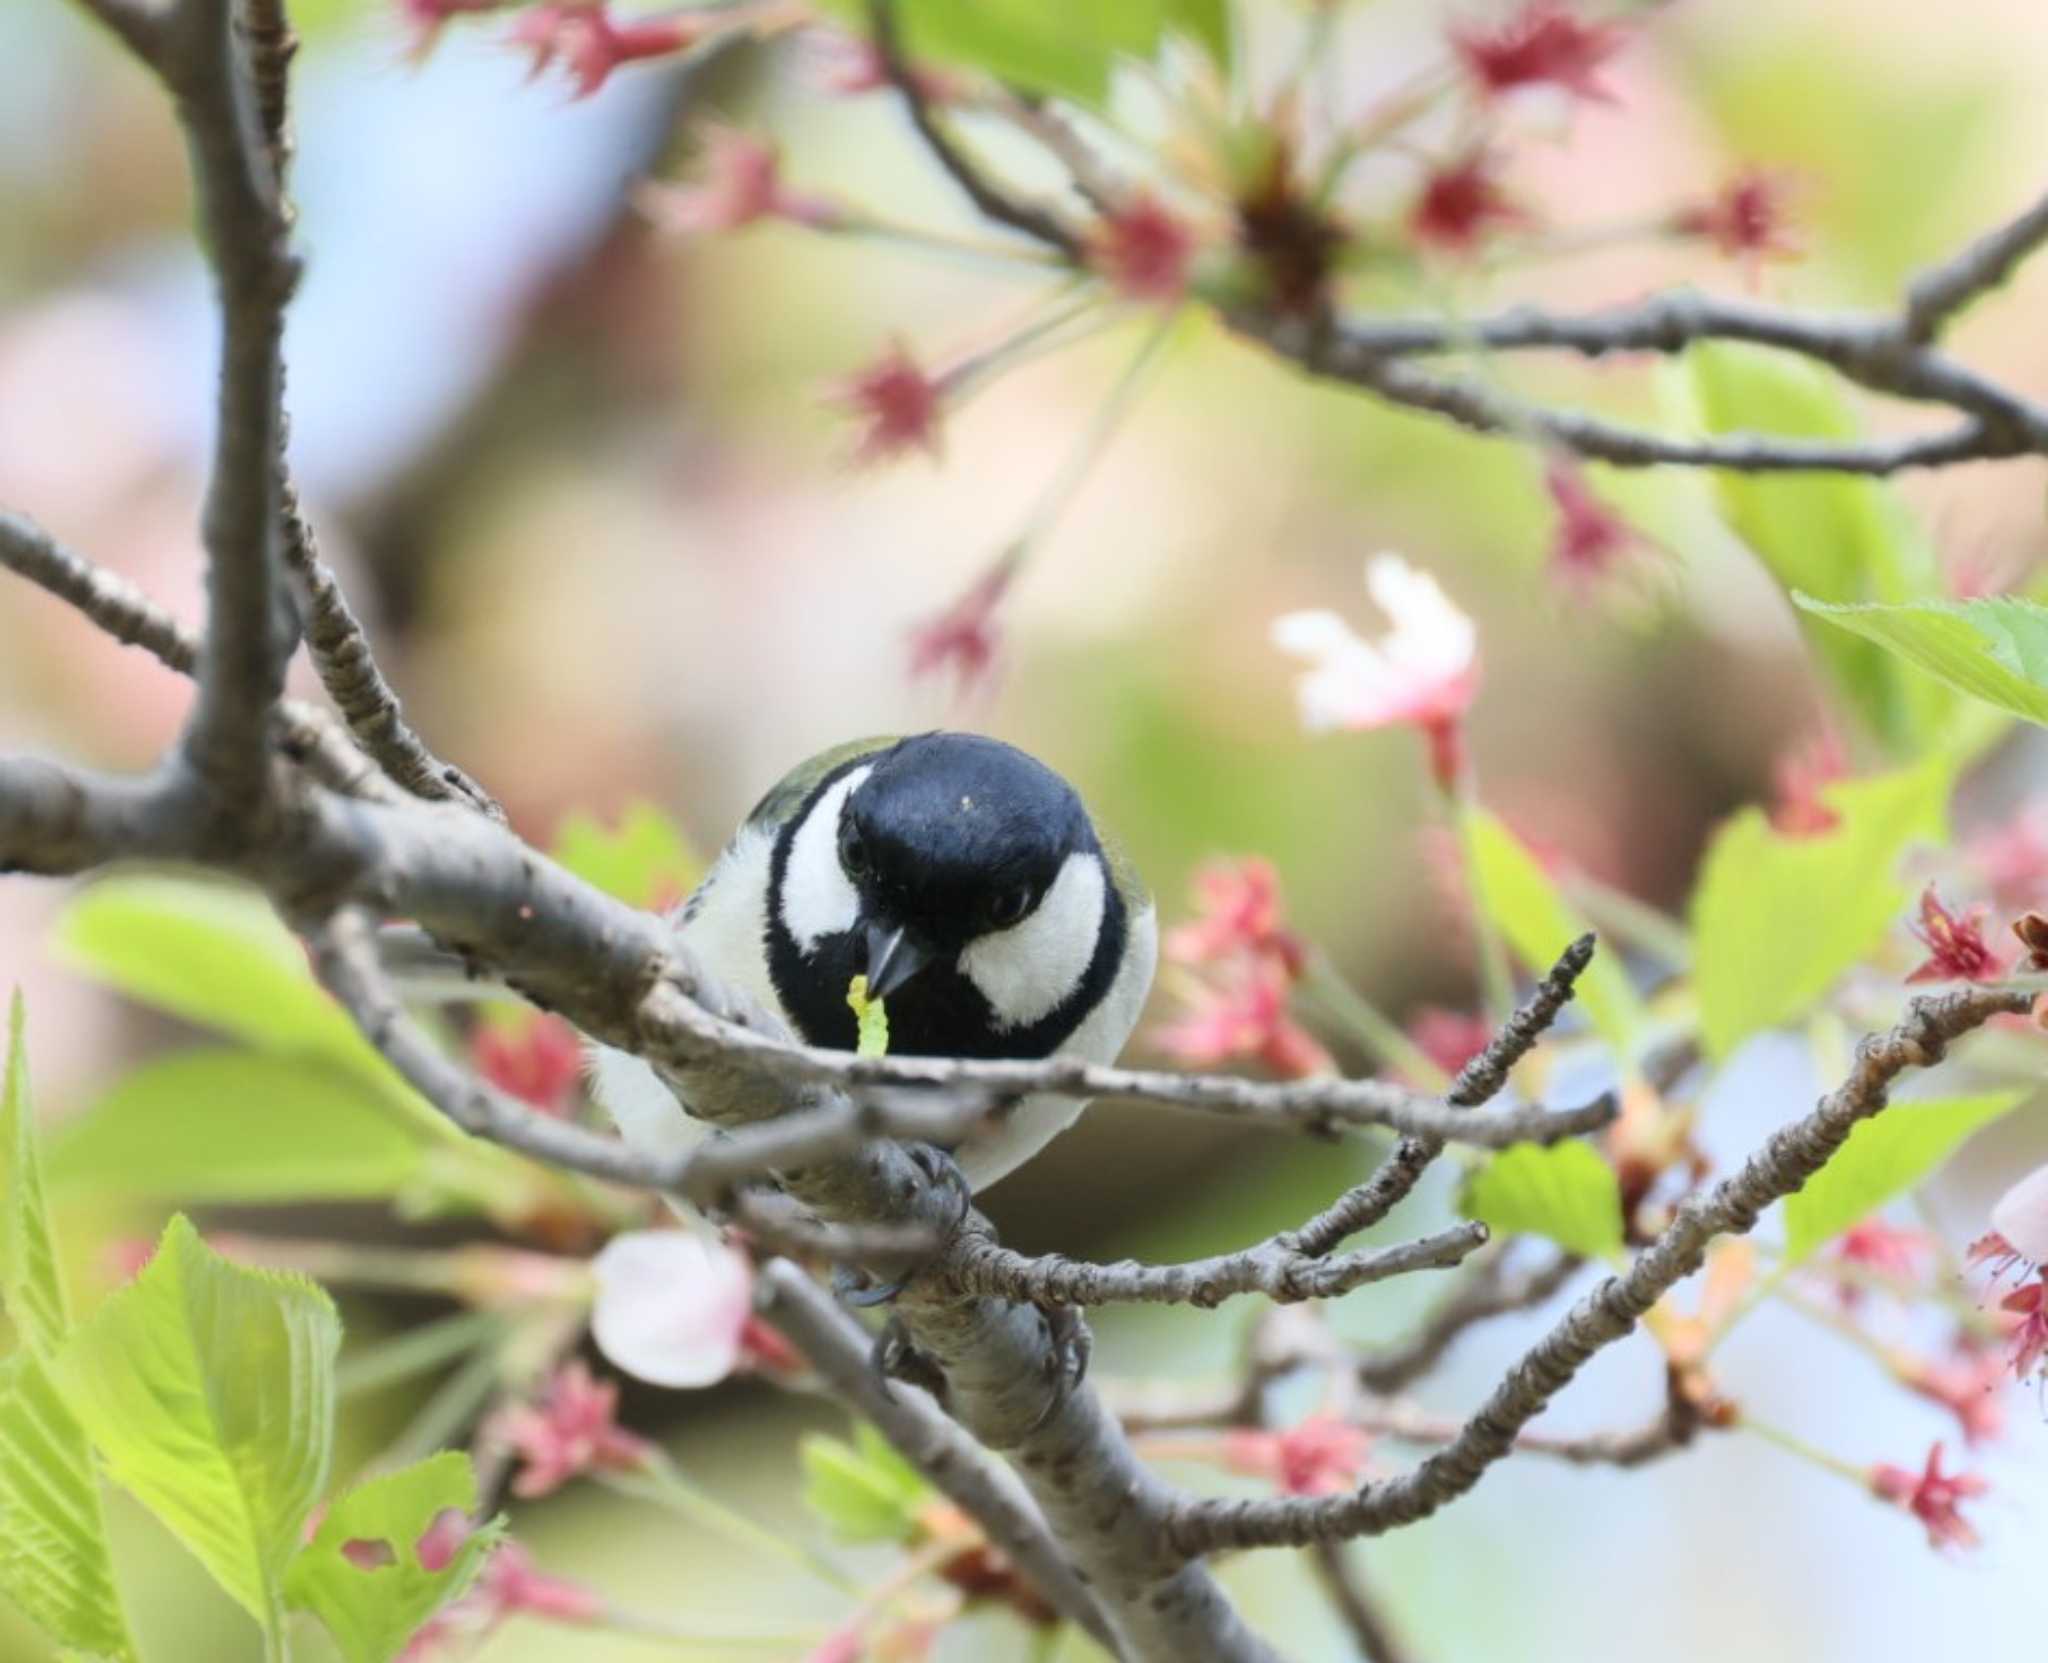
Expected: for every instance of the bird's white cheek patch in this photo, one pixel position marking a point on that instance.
(1029, 971)
(817, 899)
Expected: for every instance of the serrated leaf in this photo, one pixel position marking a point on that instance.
(1884, 1157)
(1836, 537)
(1994, 649)
(1532, 913)
(1565, 1192)
(871, 1017)
(372, 1602)
(644, 860)
(215, 955)
(208, 1390)
(54, 1559)
(224, 1125)
(1777, 919)
(861, 1498)
(31, 1286)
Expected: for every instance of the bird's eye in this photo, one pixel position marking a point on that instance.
(853, 852)
(1008, 906)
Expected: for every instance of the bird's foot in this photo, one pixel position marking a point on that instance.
(896, 1357)
(1072, 1346)
(944, 1172)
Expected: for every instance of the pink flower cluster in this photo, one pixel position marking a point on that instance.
(509, 1586)
(570, 1430)
(1318, 1457)
(1247, 960)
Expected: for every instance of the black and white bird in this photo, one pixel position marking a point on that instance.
(965, 879)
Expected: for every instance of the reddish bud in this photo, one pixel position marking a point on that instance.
(1450, 1039)
(570, 1431)
(1800, 775)
(1957, 950)
(1319, 1457)
(538, 1059)
(1544, 44)
(1461, 204)
(590, 44)
(1931, 1496)
(1591, 540)
(1143, 250)
(1746, 220)
(966, 637)
(897, 404)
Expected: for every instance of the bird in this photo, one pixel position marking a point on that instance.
(966, 880)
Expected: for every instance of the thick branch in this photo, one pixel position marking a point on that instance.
(836, 1347)
(203, 60)
(1612, 1309)
(1283, 1274)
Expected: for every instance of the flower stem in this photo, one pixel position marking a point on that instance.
(1794, 1445)
(662, 1484)
(416, 1351)
(1379, 1033)
(1496, 980)
(1080, 460)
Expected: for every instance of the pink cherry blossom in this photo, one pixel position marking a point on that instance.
(537, 1059)
(966, 636)
(1591, 541)
(1143, 250)
(1244, 1015)
(510, 1585)
(897, 404)
(1543, 44)
(571, 1430)
(588, 42)
(1800, 775)
(1238, 910)
(1746, 220)
(1933, 1497)
(1957, 950)
(1423, 673)
(737, 183)
(1970, 1384)
(1321, 1456)
(2012, 857)
(1461, 204)
(672, 1306)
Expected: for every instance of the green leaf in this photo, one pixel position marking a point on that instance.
(216, 956)
(208, 1390)
(1884, 1157)
(1539, 924)
(644, 860)
(1566, 1192)
(865, 1492)
(372, 1602)
(1067, 50)
(1995, 650)
(1833, 536)
(872, 1016)
(54, 1559)
(1777, 919)
(30, 1284)
(224, 1125)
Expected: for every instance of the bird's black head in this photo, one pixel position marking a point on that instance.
(964, 879)
(952, 836)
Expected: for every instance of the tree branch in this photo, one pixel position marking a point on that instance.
(979, 1264)
(1344, 1581)
(1939, 294)
(990, 200)
(348, 670)
(835, 1346)
(1486, 1293)
(1612, 1309)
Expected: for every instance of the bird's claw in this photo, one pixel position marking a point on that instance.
(944, 1172)
(1071, 1346)
(896, 1357)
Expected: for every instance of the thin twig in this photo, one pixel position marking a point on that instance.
(1487, 1293)
(1344, 1581)
(348, 670)
(1481, 1079)
(1271, 1267)
(1611, 1310)
(990, 200)
(1937, 295)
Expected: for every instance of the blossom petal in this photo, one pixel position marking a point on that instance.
(2021, 1216)
(671, 1306)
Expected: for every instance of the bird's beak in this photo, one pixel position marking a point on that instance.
(893, 958)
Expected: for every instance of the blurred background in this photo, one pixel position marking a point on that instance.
(589, 488)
